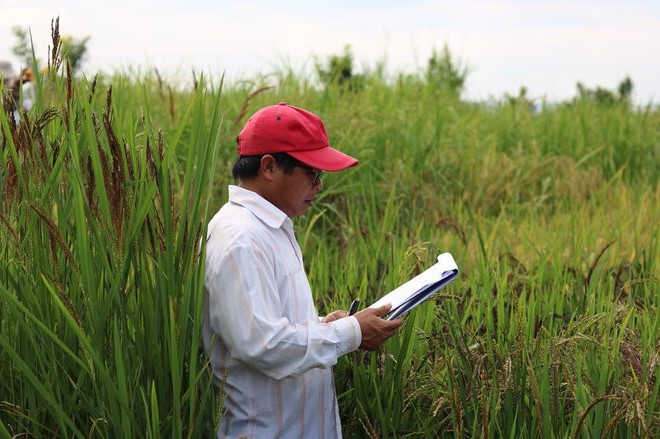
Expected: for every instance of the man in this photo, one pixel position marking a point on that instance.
(23, 92)
(268, 348)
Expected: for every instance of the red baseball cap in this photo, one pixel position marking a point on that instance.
(299, 133)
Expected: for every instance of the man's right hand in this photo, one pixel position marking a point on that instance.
(375, 329)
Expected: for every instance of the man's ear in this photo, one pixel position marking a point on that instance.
(267, 166)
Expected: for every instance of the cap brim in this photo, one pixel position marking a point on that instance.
(325, 159)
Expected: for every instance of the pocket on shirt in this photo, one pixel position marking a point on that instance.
(290, 267)
(296, 296)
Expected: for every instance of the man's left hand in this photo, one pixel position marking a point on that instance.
(336, 315)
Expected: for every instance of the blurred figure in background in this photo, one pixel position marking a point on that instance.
(22, 90)
(6, 73)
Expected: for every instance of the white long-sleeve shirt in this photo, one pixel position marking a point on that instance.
(261, 328)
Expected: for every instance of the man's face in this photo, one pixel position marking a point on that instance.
(295, 192)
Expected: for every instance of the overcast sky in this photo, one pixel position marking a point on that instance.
(546, 46)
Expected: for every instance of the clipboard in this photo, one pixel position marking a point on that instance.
(420, 288)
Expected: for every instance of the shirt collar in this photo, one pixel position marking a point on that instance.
(258, 206)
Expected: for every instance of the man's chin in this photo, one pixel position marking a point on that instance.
(303, 209)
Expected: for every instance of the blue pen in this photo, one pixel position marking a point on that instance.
(354, 307)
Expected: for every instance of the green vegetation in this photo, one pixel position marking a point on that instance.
(552, 329)
(72, 50)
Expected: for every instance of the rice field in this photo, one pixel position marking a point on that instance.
(552, 213)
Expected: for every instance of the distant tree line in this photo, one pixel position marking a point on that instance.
(603, 96)
(443, 72)
(446, 74)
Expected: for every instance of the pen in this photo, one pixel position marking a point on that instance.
(354, 307)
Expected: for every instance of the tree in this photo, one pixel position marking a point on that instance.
(23, 47)
(625, 88)
(603, 96)
(444, 73)
(73, 50)
(339, 70)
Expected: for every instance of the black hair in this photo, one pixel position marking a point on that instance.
(246, 167)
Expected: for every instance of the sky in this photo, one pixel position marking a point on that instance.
(545, 46)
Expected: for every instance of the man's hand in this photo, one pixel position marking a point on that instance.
(375, 329)
(335, 315)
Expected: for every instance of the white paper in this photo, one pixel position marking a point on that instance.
(421, 287)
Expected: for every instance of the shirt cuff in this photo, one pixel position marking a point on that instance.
(350, 335)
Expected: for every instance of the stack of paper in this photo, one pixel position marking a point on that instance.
(420, 288)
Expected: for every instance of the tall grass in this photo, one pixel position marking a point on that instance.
(102, 217)
(551, 330)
